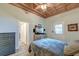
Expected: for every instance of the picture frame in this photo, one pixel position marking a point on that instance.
(73, 27)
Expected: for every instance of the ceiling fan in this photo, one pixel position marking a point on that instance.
(42, 6)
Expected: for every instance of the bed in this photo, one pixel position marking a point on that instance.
(47, 47)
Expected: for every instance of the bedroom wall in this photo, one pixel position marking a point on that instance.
(7, 10)
(65, 18)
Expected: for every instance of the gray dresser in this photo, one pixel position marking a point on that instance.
(7, 43)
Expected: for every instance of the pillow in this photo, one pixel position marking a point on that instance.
(72, 48)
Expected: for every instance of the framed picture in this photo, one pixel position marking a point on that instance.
(73, 27)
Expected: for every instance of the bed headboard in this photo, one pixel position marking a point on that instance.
(39, 36)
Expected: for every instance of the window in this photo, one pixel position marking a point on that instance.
(59, 29)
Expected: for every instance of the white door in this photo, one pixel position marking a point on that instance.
(23, 35)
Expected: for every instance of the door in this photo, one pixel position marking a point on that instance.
(23, 35)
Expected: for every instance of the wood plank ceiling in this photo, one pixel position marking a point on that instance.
(52, 8)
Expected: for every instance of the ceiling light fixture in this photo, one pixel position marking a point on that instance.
(44, 7)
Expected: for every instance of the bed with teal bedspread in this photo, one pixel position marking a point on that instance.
(47, 47)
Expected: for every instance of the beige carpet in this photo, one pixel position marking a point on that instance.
(22, 51)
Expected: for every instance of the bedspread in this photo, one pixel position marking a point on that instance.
(47, 47)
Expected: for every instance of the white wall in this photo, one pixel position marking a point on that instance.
(7, 10)
(66, 18)
(8, 25)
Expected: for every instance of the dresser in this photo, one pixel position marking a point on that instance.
(7, 43)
